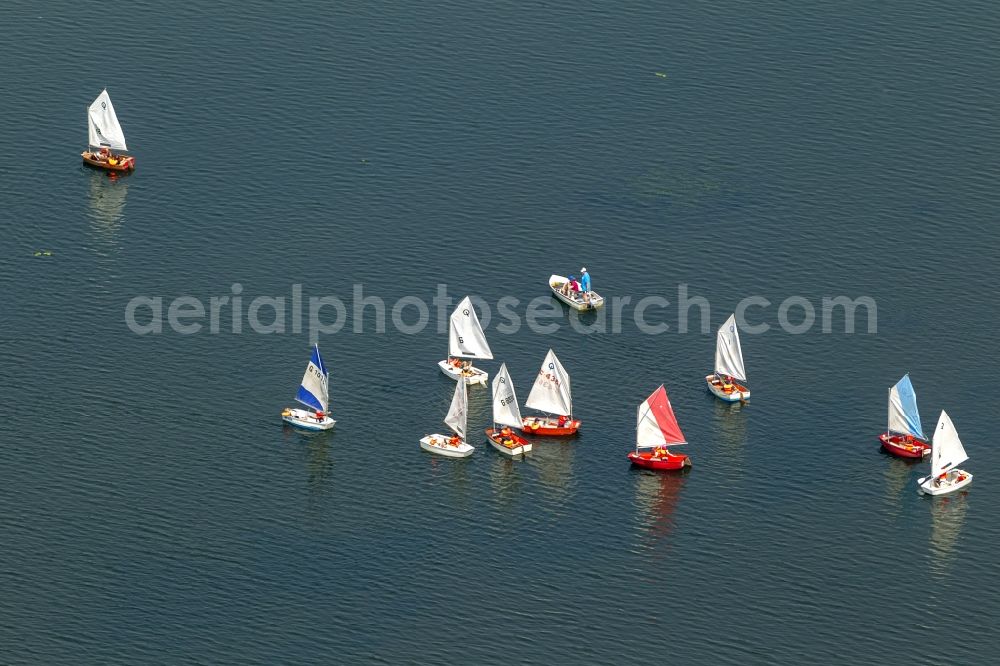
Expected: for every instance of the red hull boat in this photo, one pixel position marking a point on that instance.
(549, 427)
(659, 462)
(656, 429)
(904, 446)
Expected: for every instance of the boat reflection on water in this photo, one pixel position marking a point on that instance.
(553, 458)
(947, 517)
(319, 464)
(729, 422)
(106, 209)
(898, 477)
(506, 473)
(657, 494)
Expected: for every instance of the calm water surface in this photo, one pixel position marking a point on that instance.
(154, 510)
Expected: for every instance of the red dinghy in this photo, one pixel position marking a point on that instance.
(551, 394)
(656, 429)
(903, 434)
(552, 427)
(905, 446)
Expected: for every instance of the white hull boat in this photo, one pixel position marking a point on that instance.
(439, 444)
(574, 300)
(511, 450)
(314, 393)
(507, 414)
(452, 446)
(729, 381)
(307, 420)
(466, 340)
(947, 453)
(718, 390)
(956, 480)
(474, 375)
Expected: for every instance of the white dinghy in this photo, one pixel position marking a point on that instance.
(573, 298)
(453, 446)
(947, 453)
(729, 380)
(466, 340)
(314, 392)
(506, 417)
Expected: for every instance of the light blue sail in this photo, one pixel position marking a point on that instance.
(903, 415)
(314, 392)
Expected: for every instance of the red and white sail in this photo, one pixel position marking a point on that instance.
(656, 424)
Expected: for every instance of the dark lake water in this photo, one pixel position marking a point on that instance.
(154, 510)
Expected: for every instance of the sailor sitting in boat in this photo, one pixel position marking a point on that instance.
(660, 452)
(724, 381)
(454, 440)
(562, 420)
(505, 436)
(571, 287)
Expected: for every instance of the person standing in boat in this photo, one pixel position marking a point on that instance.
(585, 284)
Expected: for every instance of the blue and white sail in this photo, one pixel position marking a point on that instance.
(314, 391)
(904, 419)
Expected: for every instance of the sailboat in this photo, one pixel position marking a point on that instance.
(946, 454)
(506, 414)
(656, 428)
(313, 393)
(105, 135)
(729, 380)
(903, 435)
(551, 394)
(465, 340)
(455, 445)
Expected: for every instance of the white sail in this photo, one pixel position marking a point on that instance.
(728, 354)
(465, 336)
(647, 431)
(459, 410)
(105, 130)
(947, 451)
(505, 410)
(551, 391)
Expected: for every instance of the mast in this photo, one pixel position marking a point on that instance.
(888, 416)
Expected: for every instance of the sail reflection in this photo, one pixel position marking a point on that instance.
(898, 477)
(505, 476)
(947, 517)
(657, 495)
(319, 464)
(106, 208)
(554, 461)
(729, 422)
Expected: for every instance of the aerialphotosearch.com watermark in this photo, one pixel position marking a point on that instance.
(235, 313)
